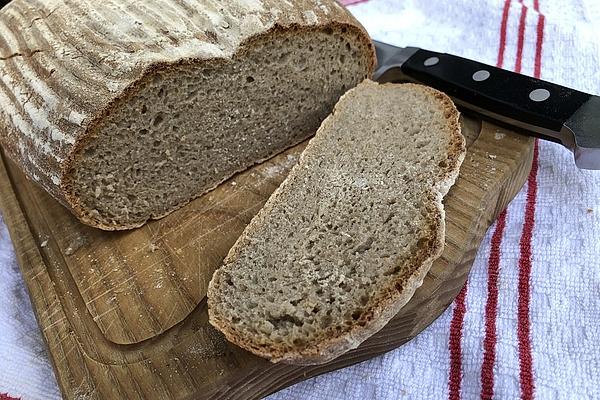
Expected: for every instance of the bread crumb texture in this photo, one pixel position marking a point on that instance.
(345, 241)
(126, 110)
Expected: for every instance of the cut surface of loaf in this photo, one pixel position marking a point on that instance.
(348, 237)
(137, 108)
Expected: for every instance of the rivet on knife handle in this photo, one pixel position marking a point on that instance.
(541, 108)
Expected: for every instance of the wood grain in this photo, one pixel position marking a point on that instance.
(124, 313)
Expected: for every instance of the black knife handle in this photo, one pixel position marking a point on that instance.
(505, 93)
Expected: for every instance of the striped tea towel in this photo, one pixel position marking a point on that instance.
(527, 324)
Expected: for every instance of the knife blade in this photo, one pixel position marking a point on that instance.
(533, 106)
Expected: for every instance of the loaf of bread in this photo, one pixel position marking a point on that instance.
(126, 110)
(349, 236)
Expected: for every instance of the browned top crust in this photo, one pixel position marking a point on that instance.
(65, 63)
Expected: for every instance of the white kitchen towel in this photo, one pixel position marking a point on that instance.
(527, 324)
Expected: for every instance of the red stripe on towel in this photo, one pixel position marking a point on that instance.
(491, 311)
(503, 26)
(537, 71)
(455, 344)
(5, 396)
(521, 39)
(523, 323)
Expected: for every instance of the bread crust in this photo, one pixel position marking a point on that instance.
(46, 131)
(392, 298)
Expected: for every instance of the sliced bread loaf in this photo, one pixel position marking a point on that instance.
(126, 110)
(348, 237)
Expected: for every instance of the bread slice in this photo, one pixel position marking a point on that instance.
(125, 111)
(349, 236)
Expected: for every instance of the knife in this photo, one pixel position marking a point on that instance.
(533, 106)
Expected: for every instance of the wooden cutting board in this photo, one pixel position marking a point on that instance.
(124, 313)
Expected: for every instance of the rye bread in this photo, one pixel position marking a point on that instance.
(126, 110)
(349, 236)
